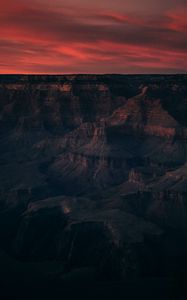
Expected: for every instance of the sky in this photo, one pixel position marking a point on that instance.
(99, 36)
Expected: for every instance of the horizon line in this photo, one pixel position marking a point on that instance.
(98, 74)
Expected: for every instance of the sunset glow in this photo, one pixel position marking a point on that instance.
(103, 36)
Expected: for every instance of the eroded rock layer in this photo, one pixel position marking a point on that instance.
(94, 172)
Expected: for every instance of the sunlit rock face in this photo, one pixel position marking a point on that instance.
(93, 171)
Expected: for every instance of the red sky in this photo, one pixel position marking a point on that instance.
(100, 36)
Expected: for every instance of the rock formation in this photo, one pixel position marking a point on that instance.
(93, 171)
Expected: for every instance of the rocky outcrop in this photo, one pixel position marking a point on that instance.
(166, 208)
(82, 236)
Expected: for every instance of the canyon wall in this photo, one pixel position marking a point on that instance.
(94, 170)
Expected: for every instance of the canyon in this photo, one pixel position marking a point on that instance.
(94, 174)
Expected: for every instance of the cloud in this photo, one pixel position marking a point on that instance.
(38, 38)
